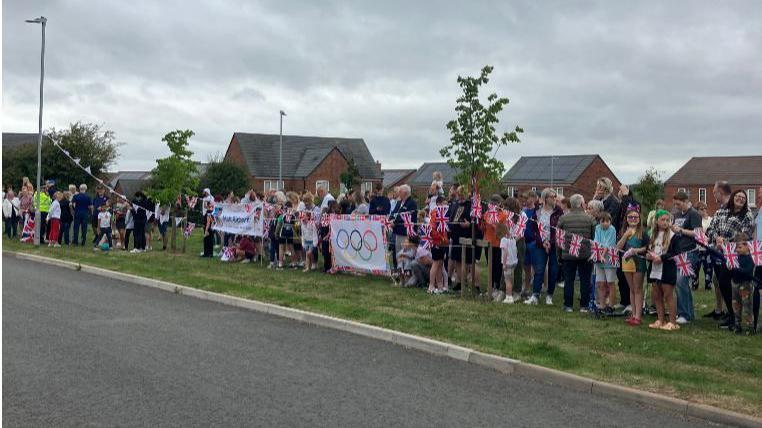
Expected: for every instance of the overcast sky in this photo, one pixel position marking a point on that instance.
(652, 85)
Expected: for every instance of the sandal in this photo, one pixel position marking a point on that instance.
(658, 325)
(670, 327)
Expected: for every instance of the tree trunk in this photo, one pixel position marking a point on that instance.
(185, 223)
(174, 231)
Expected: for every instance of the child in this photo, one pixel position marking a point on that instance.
(54, 218)
(245, 250)
(743, 287)
(104, 224)
(440, 241)
(309, 238)
(634, 242)
(285, 233)
(663, 271)
(605, 272)
(509, 259)
(405, 258)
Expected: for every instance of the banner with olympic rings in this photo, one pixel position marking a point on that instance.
(358, 243)
(239, 219)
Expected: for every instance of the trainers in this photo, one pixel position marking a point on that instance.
(618, 306)
(681, 320)
(583, 310)
(549, 300)
(509, 300)
(499, 296)
(627, 309)
(531, 301)
(245, 261)
(568, 309)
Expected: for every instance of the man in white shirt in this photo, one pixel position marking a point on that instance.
(325, 197)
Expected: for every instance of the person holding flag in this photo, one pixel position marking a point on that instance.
(577, 223)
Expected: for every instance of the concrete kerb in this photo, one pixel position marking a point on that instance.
(498, 363)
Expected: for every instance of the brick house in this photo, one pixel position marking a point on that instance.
(698, 175)
(308, 162)
(420, 181)
(567, 174)
(396, 177)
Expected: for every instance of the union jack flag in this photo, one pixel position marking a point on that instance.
(731, 258)
(575, 245)
(521, 226)
(544, 235)
(388, 224)
(191, 201)
(27, 233)
(188, 230)
(491, 216)
(614, 256)
(426, 235)
(597, 252)
(441, 219)
(407, 221)
(700, 236)
(684, 266)
(476, 208)
(560, 238)
(756, 252)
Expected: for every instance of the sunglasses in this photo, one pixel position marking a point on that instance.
(633, 217)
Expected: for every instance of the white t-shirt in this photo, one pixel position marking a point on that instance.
(421, 253)
(55, 210)
(309, 232)
(104, 219)
(326, 199)
(656, 268)
(509, 253)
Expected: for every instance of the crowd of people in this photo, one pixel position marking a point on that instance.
(536, 241)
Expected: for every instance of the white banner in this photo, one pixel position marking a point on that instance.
(358, 243)
(239, 219)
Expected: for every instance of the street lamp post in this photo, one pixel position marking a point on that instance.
(280, 155)
(37, 216)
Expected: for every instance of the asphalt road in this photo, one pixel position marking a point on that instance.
(81, 350)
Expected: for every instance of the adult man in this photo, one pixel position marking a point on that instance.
(719, 231)
(459, 214)
(325, 197)
(405, 205)
(686, 221)
(530, 209)
(576, 221)
(42, 200)
(50, 187)
(206, 200)
(99, 199)
(82, 207)
(380, 204)
(393, 196)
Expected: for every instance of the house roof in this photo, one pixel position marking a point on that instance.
(708, 170)
(12, 140)
(301, 155)
(565, 169)
(392, 176)
(130, 181)
(423, 176)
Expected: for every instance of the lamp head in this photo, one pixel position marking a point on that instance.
(40, 20)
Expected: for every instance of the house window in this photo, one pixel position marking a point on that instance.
(559, 191)
(751, 197)
(342, 189)
(682, 189)
(270, 185)
(534, 189)
(511, 191)
(702, 194)
(323, 184)
(367, 187)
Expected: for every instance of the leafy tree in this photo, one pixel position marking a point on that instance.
(223, 176)
(95, 147)
(174, 176)
(473, 141)
(351, 177)
(648, 189)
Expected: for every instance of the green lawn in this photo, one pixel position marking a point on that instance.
(699, 363)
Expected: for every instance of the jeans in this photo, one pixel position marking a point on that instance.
(63, 236)
(497, 268)
(273, 250)
(104, 231)
(11, 226)
(325, 248)
(80, 220)
(684, 292)
(704, 260)
(420, 273)
(585, 269)
(44, 229)
(726, 288)
(140, 235)
(541, 260)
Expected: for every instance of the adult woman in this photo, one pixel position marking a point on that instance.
(67, 217)
(11, 206)
(361, 207)
(728, 221)
(544, 253)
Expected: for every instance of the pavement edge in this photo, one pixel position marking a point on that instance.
(501, 364)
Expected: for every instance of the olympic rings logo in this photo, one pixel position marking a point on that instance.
(356, 244)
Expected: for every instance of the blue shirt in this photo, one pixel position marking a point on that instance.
(529, 231)
(606, 237)
(759, 224)
(98, 201)
(82, 203)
